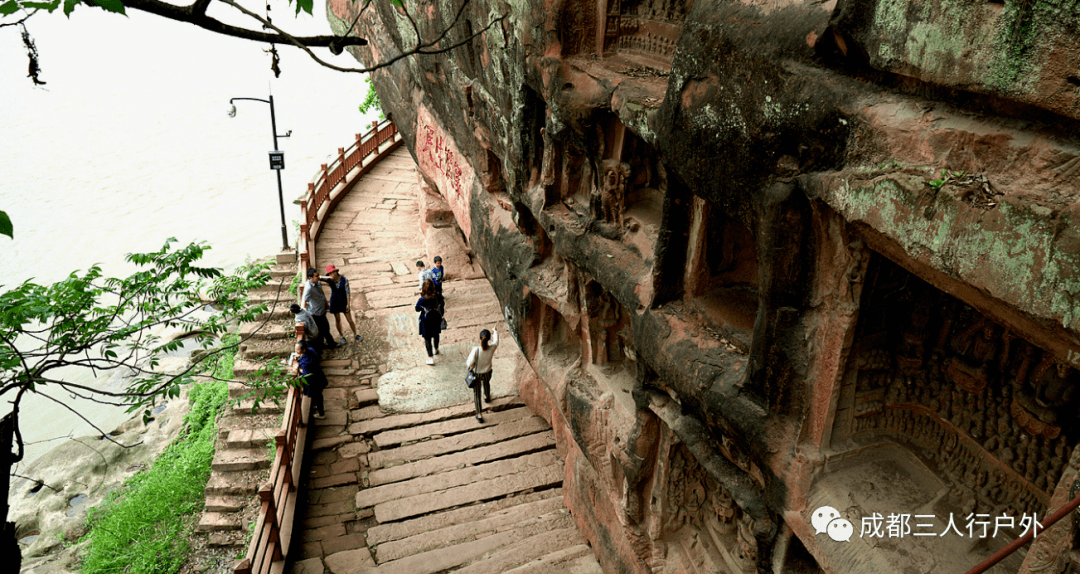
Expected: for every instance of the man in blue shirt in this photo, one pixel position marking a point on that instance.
(306, 366)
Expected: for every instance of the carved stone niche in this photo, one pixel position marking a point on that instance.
(991, 414)
(610, 329)
(721, 276)
(636, 28)
(700, 527)
(648, 28)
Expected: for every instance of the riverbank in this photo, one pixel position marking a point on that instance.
(50, 498)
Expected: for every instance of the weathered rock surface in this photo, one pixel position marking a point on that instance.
(746, 247)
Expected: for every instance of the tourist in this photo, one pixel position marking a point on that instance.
(305, 364)
(339, 300)
(479, 361)
(430, 319)
(303, 317)
(435, 275)
(315, 303)
(422, 273)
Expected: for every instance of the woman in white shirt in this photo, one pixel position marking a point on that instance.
(479, 361)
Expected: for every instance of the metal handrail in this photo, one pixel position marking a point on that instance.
(1016, 544)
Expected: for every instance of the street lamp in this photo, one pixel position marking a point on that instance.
(277, 159)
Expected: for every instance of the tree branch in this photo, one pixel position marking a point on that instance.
(420, 48)
(196, 14)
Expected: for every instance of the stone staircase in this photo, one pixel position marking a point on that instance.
(449, 494)
(246, 431)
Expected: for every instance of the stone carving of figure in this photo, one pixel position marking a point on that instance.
(912, 349)
(975, 367)
(547, 165)
(685, 492)
(1044, 398)
(613, 190)
(746, 549)
(1056, 386)
(609, 315)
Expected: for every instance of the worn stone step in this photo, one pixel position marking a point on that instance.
(460, 442)
(223, 504)
(537, 478)
(366, 397)
(525, 551)
(229, 539)
(444, 480)
(452, 557)
(252, 407)
(239, 483)
(463, 532)
(241, 459)
(381, 424)
(578, 559)
(266, 350)
(443, 428)
(243, 368)
(216, 521)
(272, 296)
(267, 331)
(283, 271)
(382, 533)
(250, 438)
(277, 313)
(514, 447)
(249, 393)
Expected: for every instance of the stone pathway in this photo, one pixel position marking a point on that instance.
(403, 478)
(245, 432)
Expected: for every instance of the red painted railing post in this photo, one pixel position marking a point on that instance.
(282, 442)
(375, 133)
(266, 496)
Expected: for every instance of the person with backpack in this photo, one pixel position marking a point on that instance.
(435, 275)
(430, 319)
(305, 364)
(479, 362)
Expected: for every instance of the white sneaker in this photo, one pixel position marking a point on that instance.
(318, 416)
(430, 361)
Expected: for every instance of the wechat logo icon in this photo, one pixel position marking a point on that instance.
(827, 519)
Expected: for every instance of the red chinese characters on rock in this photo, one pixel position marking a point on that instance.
(442, 158)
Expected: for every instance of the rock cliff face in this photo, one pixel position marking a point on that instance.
(779, 268)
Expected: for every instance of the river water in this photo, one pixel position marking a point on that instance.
(129, 143)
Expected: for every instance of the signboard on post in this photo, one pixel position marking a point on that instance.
(277, 159)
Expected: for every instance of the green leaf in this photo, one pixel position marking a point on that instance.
(50, 6)
(69, 6)
(5, 221)
(9, 7)
(304, 5)
(116, 6)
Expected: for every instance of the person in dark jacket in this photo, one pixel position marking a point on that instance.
(306, 366)
(430, 319)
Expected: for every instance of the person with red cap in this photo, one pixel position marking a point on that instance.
(339, 300)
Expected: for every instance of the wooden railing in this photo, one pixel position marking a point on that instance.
(334, 181)
(273, 529)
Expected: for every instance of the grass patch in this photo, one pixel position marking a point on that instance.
(141, 527)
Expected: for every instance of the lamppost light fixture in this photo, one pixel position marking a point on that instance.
(277, 159)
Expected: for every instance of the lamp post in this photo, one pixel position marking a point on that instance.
(277, 159)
